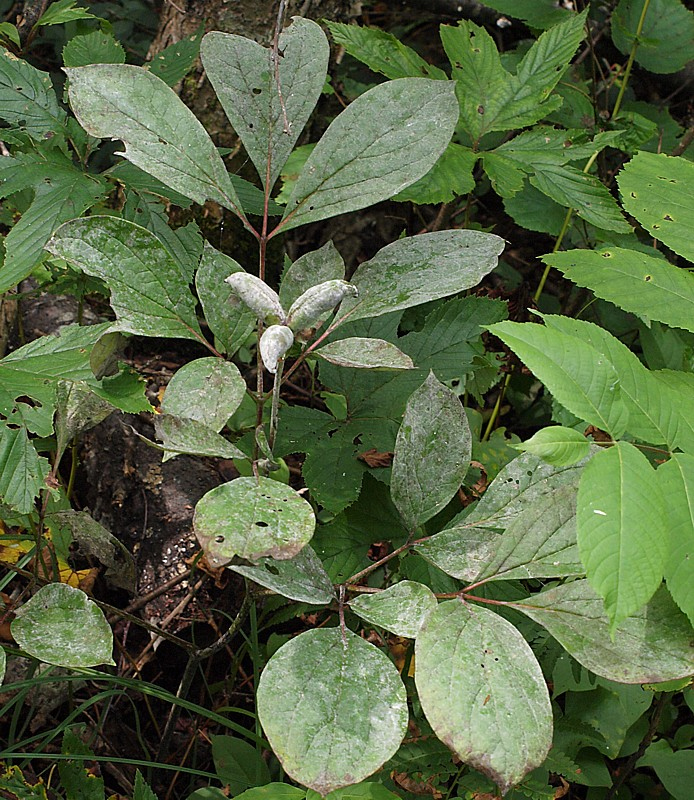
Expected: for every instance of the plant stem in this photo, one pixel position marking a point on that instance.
(274, 410)
(630, 60)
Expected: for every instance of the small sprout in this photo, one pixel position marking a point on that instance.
(274, 343)
(258, 296)
(307, 310)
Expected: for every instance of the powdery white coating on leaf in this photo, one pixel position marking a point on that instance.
(318, 265)
(274, 343)
(252, 518)
(650, 646)
(307, 310)
(365, 353)
(400, 609)
(258, 296)
(483, 692)
(333, 708)
(62, 626)
(460, 551)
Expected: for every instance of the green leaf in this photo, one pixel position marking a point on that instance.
(384, 141)
(673, 768)
(654, 189)
(185, 436)
(449, 178)
(491, 99)
(459, 550)
(61, 193)
(62, 626)
(676, 478)
(161, 135)
(623, 534)
(141, 790)
(148, 293)
(537, 13)
(382, 52)
(539, 543)
(22, 470)
(63, 11)
(3, 664)
(301, 578)
(666, 42)
(271, 791)
(364, 353)
(252, 518)
(483, 692)
(557, 445)
(97, 47)
(400, 609)
(27, 98)
(432, 453)
(650, 646)
(317, 266)
(572, 188)
(422, 268)
(208, 390)
(74, 777)
(333, 708)
(78, 409)
(268, 118)
(232, 323)
(239, 765)
(634, 281)
(33, 372)
(174, 62)
(577, 375)
(8, 30)
(133, 177)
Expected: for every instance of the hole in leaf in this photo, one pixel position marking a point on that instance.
(648, 278)
(260, 524)
(272, 569)
(219, 539)
(257, 91)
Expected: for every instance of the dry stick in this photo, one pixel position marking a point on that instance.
(194, 660)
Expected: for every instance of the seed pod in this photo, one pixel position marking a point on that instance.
(274, 343)
(258, 296)
(307, 310)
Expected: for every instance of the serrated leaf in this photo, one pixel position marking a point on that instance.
(63, 11)
(97, 47)
(539, 543)
(400, 609)
(317, 266)
(382, 52)
(651, 645)
(27, 97)
(422, 268)
(432, 453)
(208, 390)
(364, 353)
(184, 436)
(148, 293)
(636, 282)
(578, 376)
(676, 478)
(252, 518)
(654, 189)
(450, 177)
(623, 535)
(62, 626)
(301, 578)
(333, 708)
(22, 470)
(230, 321)
(557, 445)
(161, 135)
(483, 692)
(141, 790)
(572, 188)
(268, 118)
(74, 777)
(384, 141)
(666, 40)
(174, 62)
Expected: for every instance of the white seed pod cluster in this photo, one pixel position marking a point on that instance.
(258, 296)
(307, 310)
(274, 343)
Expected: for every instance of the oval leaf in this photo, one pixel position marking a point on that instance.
(333, 708)
(252, 518)
(651, 646)
(385, 140)
(301, 578)
(432, 452)
(460, 551)
(243, 76)
(62, 626)
(422, 268)
(365, 353)
(208, 390)
(483, 692)
(557, 445)
(401, 609)
(317, 266)
(183, 436)
(149, 295)
(161, 134)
